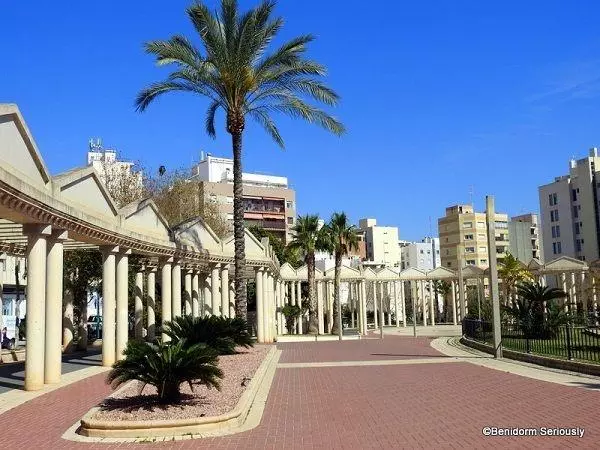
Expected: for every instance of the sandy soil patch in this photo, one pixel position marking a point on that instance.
(129, 404)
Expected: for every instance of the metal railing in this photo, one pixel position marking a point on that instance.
(564, 342)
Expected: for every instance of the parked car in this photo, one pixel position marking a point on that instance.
(94, 327)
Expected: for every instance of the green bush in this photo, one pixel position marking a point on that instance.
(219, 333)
(165, 366)
(290, 312)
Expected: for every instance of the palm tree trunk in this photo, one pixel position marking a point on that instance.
(241, 305)
(313, 321)
(336, 295)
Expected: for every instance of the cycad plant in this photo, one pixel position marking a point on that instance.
(166, 366)
(237, 76)
(308, 239)
(221, 334)
(342, 239)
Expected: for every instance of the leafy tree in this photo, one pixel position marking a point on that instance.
(442, 287)
(219, 333)
(290, 312)
(165, 366)
(528, 309)
(309, 238)
(235, 73)
(512, 272)
(342, 239)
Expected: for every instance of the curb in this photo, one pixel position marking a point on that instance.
(92, 430)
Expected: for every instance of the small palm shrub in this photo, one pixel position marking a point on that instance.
(221, 334)
(165, 366)
(290, 312)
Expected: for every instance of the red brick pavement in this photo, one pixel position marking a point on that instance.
(401, 406)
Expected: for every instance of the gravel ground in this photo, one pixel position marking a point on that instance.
(129, 404)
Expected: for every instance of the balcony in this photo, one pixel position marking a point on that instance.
(264, 205)
(266, 224)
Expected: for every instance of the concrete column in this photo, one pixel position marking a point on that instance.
(388, 302)
(453, 289)
(187, 292)
(299, 300)
(573, 292)
(396, 304)
(363, 304)
(260, 335)
(53, 314)
(151, 303)
(225, 290)
(68, 318)
(563, 280)
(265, 306)
(195, 294)
(320, 312)
(122, 301)
(375, 300)
(108, 306)
(139, 305)
(176, 289)
(432, 302)
(329, 306)
(165, 292)
(231, 298)
(207, 297)
(351, 303)
(594, 297)
(214, 290)
(423, 301)
(403, 303)
(37, 236)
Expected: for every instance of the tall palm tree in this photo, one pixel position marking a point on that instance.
(236, 74)
(309, 238)
(512, 272)
(342, 239)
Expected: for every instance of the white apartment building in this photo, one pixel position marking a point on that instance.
(10, 268)
(269, 202)
(525, 238)
(424, 255)
(569, 211)
(381, 243)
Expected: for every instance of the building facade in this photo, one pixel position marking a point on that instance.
(526, 238)
(569, 211)
(424, 255)
(381, 243)
(463, 236)
(269, 202)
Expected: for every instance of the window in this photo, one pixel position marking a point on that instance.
(554, 248)
(421, 251)
(482, 249)
(470, 262)
(289, 204)
(552, 199)
(558, 247)
(574, 194)
(554, 215)
(483, 261)
(468, 225)
(469, 249)
(481, 235)
(449, 264)
(577, 228)
(575, 212)
(468, 237)
(578, 245)
(555, 231)
(480, 224)
(290, 220)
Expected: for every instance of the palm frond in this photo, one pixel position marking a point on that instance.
(210, 119)
(267, 123)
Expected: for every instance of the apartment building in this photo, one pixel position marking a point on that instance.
(12, 293)
(569, 211)
(525, 238)
(423, 255)
(269, 202)
(381, 243)
(463, 235)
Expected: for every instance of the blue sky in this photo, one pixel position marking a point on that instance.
(438, 97)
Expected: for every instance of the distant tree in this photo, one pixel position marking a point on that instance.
(342, 238)
(442, 287)
(511, 272)
(308, 239)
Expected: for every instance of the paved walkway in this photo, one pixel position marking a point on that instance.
(388, 403)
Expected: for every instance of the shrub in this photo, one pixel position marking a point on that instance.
(165, 366)
(290, 312)
(221, 334)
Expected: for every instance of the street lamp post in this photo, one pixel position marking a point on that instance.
(491, 230)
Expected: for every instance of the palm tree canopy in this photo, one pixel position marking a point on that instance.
(308, 235)
(512, 270)
(342, 236)
(536, 293)
(234, 71)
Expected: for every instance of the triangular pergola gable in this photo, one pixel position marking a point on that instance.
(253, 247)
(441, 273)
(412, 274)
(83, 187)
(472, 272)
(387, 274)
(369, 274)
(287, 272)
(19, 155)
(346, 273)
(198, 234)
(144, 214)
(565, 264)
(534, 264)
